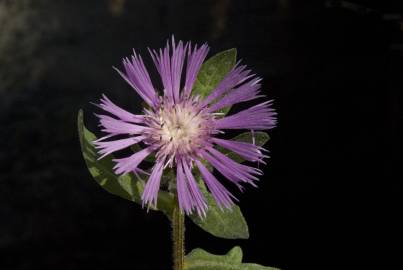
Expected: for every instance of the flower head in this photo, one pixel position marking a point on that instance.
(182, 129)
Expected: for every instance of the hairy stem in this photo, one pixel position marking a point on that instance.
(178, 237)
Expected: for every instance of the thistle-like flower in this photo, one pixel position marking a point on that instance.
(182, 129)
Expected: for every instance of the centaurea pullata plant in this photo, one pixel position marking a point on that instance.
(179, 139)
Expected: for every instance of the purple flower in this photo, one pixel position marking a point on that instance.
(181, 129)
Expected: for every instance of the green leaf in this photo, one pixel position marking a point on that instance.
(199, 259)
(260, 139)
(212, 72)
(128, 186)
(224, 223)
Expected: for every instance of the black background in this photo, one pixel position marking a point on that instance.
(330, 195)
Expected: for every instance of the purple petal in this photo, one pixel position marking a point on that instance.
(105, 137)
(184, 198)
(109, 147)
(195, 60)
(198, 200)
(178, 58)
(220, 194)
(107, 105)
(232, 170)
(259, 117)
(150, 193)
(137, 76)
(170, 68)
(245, 92)
(248, 151)
(126, 165)
(236, 76)
(163, 65)
(114, 126)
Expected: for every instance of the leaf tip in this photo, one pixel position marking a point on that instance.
(235, 254)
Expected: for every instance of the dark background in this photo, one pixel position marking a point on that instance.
(330, 195)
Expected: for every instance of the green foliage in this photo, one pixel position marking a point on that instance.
(212, 72)
(199, 259)
(224, 223)
(260, 139)
(128, 186)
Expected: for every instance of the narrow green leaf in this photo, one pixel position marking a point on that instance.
(128, 186)
(212, 72)
(224, 223)
(260, 139)
(199, 259)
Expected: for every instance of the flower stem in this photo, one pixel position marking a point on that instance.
(178, 237)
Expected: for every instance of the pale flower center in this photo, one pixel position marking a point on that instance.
(179, 126)
(179, 130)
